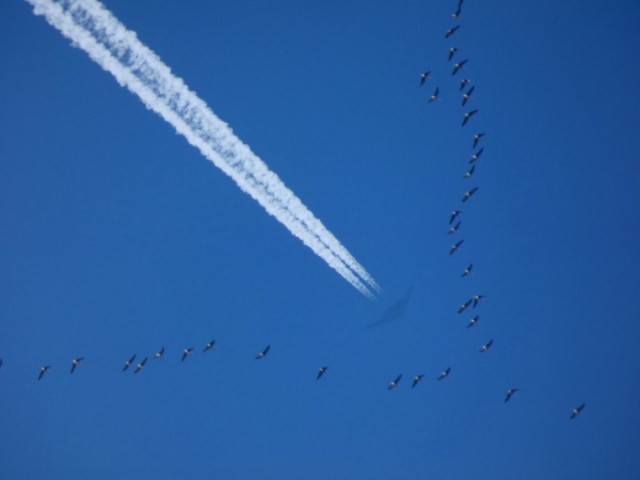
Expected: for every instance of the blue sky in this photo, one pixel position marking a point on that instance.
(119, 237)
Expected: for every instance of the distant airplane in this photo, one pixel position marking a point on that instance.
(263, 353)
(467, 95)
(416, 380)
(435, 95)
(473, 321)
(468, 115)
(424, 76)
(477, 298)
(476, 156)
(75, 362)
(321, 372)
(467, 271)
(476, 139)
(129, 362)
(452, 52)
(451, 31)
(394, 383)
(465, 305)
(141, 365)
(486, 346)
(209, 346)
(444, 373)
(160, 354)
(185, 353)
(468, 194)
(510, 394)
(455, 247)
(576, 411)
(458, 66)
(455, 228)
(43, 370)
(469, 173)
(464, 83)
(454, 214)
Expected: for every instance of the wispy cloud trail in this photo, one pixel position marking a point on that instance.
(117, 50)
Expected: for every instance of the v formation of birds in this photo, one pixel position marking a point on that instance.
(467, 89)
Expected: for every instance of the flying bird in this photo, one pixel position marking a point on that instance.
(454, 228)
(160, 354)
(473, 321)
(476, 139)
(444, 373)
(128, 363)
(75, 362)
(476, 156)
(454, 214)
(263, 353)
(486, 346)
(394, 383)
(464, 83)
(435, 95)
(43, 370)
(452, 52)
(456, 14)
(141, 365)
(468, 194)
(186, 352)
(510, 394)
(451, 31)
(467, 271)
(424, 76)
(458, 66)
(416, 380)
(465, 305)
(209, 346)
(477, 298)
(467, 96)
(321, 372)
(468, 115)
(455, 247)
(576, 411)
(469, 173)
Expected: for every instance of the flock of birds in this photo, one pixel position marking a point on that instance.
(467, 89)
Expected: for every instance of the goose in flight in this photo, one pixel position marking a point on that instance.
(476, 156)
(468, 194)
(444, 373)
(467, 271)
(424, 76)
(454, 228)
(455, 247)
(576, 411)
(141, 365)
(43, 370)
(467, 96)
(473, 321)
(451, 31)
(185, 353)
(476, 139)
(321, 372)
(417, 379)
(159, 354)
(486, 346)
(128, 363)
(453, 216)
(468, 115)
(263, 353)
(510, 394)
(394, 383)
(464, 306)
(435, 95)
(209, 346)
(458, 66)
(75, 362)
(452, 52)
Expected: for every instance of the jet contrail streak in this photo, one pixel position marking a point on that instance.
(117, 50)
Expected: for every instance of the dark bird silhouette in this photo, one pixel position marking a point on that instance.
(476, 156)
(576, 411)
(468, 194)
(467, 271)
(160, 354)
(510, 394)
(435, 95)
(1, 362)
(75, 362)
(468, 115)
(464, 306)
(469, 173)
(141, 365)
(394, 383)
(128, 363)
(464, 83)
(424, 76)
(321, 372)
(43, 370)
(477, 298)
(476, 139)
(473, 321)
(454, 228)
(453, 216)
(467, 96)
(455, 246)
(395, 311)
(458, 66)
(458, 11)
(451, 31)
(452, 52)
(486, 346)
(186, 352)
(209, 346)
(444, 373)
(263, 353)
(416, 380)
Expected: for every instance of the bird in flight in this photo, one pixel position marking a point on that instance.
(476, 139)
(458, 11)
(476, 156)
(467, 271)
(416, 380)
(263, 353)
(394, 383)
(454, 228)
(186, 352)
(209, 346)
(424, 76)
(43, 370)
(128, 363)
(464, 83)
(465, 305)
(458, 66)
(468, 115)
(452, 52)
(321, 372)
(444, 373)
(467, 96)
(473, 321)
(75, 362)
(486, 346)
(160, 354)
(469, 173)
(454, 214)
(510, 394)
(141, 365)
(468, 194)
(576, 411)
(451, 31)
(435, 95)
(477, 298)
(455, 246)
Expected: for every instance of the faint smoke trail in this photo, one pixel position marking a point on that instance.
(117, 50)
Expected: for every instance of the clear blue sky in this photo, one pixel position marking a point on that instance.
(118, 238)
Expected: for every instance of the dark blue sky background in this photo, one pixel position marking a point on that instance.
(119, 238)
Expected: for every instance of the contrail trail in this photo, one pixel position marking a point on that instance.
(117, 50)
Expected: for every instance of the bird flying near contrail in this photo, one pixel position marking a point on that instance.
(92, 28)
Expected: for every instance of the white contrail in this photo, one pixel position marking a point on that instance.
(117, 50)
